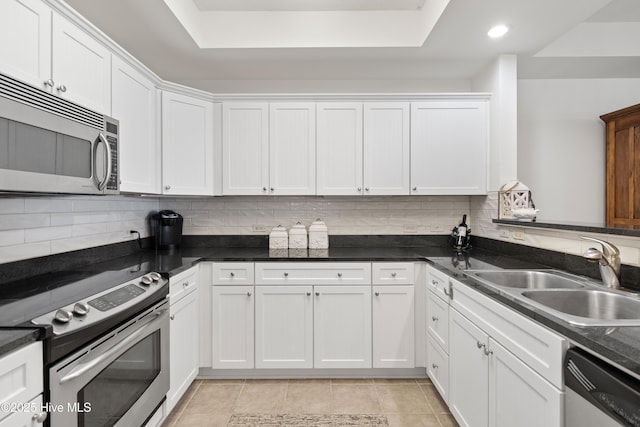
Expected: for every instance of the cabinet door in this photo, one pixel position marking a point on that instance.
(292, 148)
(449, 147)
(518, 395)
(468, 372)
(25, 417)
(438, 320)
(184, 332)
(386, 148)
(81, 66)
(187, 145)
(393, 327)
(339, 148)
(342, 327)
(438, 367)
(25, 40)
(232, 318)
(133, 103)
(284, 327)
(245, 148)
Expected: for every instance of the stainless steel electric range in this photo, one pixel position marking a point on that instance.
(107, 340)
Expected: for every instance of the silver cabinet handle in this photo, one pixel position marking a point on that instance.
(447, 292)
(480, 344)
(434, 318)
(317, 294)
(39, 418)
(61, 88)
(167, 187)
(415, 188)
(232, 274)
(248, 294)
(185, 284)
(366, 189)
(273, 189)
(286, 274)
(264, 189)
(434, 282)
(487, 352)
(49, 82)
(359, 188)
(308, 294)
(377, 294)
(393, 274)
(172, 317)
(339, 274)
(434, 366)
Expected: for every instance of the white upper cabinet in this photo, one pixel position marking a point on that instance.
(245, 148)
(46, 50)
(292, 148)
(133, 103)
(80, 67)
(449, 147)
(339, 148)
(25, 40)
(386, 148)
(187, 145)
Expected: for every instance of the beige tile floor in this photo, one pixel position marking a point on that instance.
(406, 403)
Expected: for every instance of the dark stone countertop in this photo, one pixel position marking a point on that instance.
(12, 339)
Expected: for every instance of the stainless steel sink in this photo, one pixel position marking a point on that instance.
(528, 279)
(589, 306)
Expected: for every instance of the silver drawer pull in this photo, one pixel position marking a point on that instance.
(39, 418)
(185, 284)
(446, 291)
(434, 318)
(286, 274)
(393, 274)
(339, 274)
(248, 294)
(487, 352)
(308, 294)
(434, 282)
(377, 294)
(434, 366)
(232, 274)
(480, 344)
(317, 294)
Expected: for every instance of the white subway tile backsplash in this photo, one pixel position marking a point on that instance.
(24, 251)
(17, 221)
(11, 237)
(11, 206)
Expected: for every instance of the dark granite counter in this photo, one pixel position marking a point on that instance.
(12, 339)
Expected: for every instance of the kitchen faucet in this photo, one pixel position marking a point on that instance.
(608, 260)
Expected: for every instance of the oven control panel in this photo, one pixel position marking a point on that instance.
(102, 305)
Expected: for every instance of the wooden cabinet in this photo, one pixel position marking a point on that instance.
(25, 40)
(269, 148)
(133, 103)
(449, 147)
(342, 326)
(233, 327)
(284, 327)
(339, 148)
(187, 145)
(46, 50)
(386, 148)
(184, 334)
(393, 326)
(623, 167)
(21, 386)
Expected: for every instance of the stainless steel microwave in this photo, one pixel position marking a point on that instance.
(51, 145)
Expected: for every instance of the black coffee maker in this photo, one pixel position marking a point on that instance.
(166, 227)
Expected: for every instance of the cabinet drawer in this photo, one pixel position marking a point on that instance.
(307, 273)
(438, 282)
(233, 273)
(392, 273)
(183, 284)
(438, 319)
(538, 347)
(438, 368)
(21, 375)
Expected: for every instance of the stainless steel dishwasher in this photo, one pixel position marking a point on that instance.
(598, 394)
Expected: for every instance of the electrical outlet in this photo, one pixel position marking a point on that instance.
(410, 229)
(504, 233)
(436, 228)
(259, 228)
(518, 234)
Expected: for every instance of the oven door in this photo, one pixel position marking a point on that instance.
(118, 380)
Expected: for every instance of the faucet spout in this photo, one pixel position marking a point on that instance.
(608, 260)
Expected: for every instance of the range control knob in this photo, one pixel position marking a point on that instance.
(146, 280)
(80, 309)
(155, 276)
(63, 316)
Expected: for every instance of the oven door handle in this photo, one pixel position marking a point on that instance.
(83, 368)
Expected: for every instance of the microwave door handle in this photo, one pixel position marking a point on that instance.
(107, 146)
(83, 368)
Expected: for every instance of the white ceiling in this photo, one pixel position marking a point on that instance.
(456, 49)
(308, 5)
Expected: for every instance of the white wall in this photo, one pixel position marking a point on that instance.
(561, 143)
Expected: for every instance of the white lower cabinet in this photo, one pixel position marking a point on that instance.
(342, 326)
(184, 334)
(284, 327)
(393, 326)
(233, 327)
(21, 386)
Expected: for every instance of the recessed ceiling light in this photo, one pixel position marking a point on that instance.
(498, 31)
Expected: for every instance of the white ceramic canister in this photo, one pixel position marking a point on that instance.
(298, 236)
(318, 235)
(278, 238)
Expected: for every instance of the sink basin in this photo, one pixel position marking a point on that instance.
(527, 279)
(590, 306)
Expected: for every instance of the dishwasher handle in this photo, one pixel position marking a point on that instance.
(611, 390)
